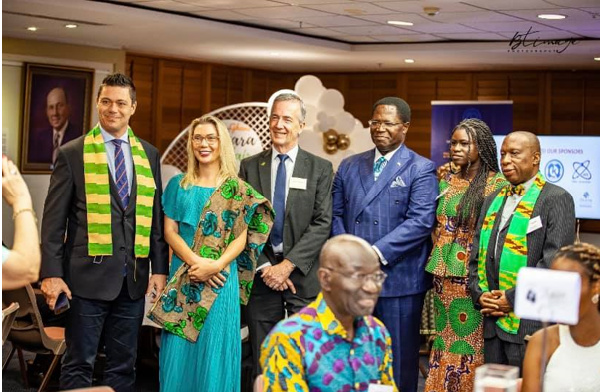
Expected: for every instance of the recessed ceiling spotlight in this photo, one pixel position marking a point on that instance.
(399, 23)
(32, 28)
(409, 61)
(597, 58)
(71, 26)
(551, 16)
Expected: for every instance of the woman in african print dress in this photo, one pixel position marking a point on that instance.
(458, 346)
(216, 224)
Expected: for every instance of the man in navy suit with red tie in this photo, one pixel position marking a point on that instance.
(388, 197)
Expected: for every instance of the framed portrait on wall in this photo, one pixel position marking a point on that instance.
(56, 110)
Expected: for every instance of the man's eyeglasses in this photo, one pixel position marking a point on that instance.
(210, 139)
(384, 124)
(378, 277)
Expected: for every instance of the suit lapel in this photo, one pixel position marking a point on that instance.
(133, 192)
(300, 171)
(264, 173)
(393, 167)
(366, 171)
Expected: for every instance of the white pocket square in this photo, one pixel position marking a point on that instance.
(398, 182)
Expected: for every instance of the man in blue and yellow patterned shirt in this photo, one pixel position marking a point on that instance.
(334, 344)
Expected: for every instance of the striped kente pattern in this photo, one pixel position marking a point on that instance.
(97, 193)
(514, 251)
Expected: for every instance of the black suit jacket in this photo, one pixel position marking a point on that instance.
(41, 144)
(307, 215)
(556, 209)
(99, 278)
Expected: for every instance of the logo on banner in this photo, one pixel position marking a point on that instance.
(245, 140)
(587, 201)
(472, 113)
(554, 170)
(581, 170)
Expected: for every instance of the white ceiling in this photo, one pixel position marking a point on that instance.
(323, 35)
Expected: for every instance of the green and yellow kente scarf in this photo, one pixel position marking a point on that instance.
(97, 195)
(514, 252)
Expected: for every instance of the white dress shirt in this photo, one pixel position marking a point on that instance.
(110, 155)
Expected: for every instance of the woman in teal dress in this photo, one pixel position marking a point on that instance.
(213, 361)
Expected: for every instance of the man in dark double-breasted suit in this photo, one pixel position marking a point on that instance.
(299, 186)
(387, 196)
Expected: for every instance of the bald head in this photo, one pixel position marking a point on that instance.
(520, 157)
(346, 249)
(57, 108)
(527, 138)
(350, 277)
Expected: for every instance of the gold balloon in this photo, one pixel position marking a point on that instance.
(330, 136)
(331, 148)
(343, 142)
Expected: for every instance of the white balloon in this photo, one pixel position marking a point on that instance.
(311, 116)
(321, 116)
(312, 142)
(322, 126)
(344, 122)
(331, 102)
(360, 140)
(309, 88)
(168, 172)
(358, 124)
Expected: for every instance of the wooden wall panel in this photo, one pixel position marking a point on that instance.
(142, 71)
(218, 87)
(170, 79)
(591, 107)
(566, 104)
(490, 87)
(194, 85)
(172, 92)
(421, 90)
(524, 92)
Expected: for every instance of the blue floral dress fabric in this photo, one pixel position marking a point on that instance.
(213, 362)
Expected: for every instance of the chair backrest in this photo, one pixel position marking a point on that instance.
(28, 329)
(8, 317)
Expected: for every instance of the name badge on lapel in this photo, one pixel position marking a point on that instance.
(534, 224)
(298, 183)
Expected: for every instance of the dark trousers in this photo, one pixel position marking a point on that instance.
(266, 308)
(121, 320)
(496, 350)
(402, 318)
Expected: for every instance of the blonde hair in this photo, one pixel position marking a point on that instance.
(228, 164)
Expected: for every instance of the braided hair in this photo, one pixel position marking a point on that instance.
(470, 204)
(585, 254)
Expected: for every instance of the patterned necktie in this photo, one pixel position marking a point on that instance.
(55, 146)
(378, 167)
(279, 201)
(121, 173)
(518, 190)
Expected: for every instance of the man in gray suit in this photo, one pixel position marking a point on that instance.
(521, 225)
(299, 186)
